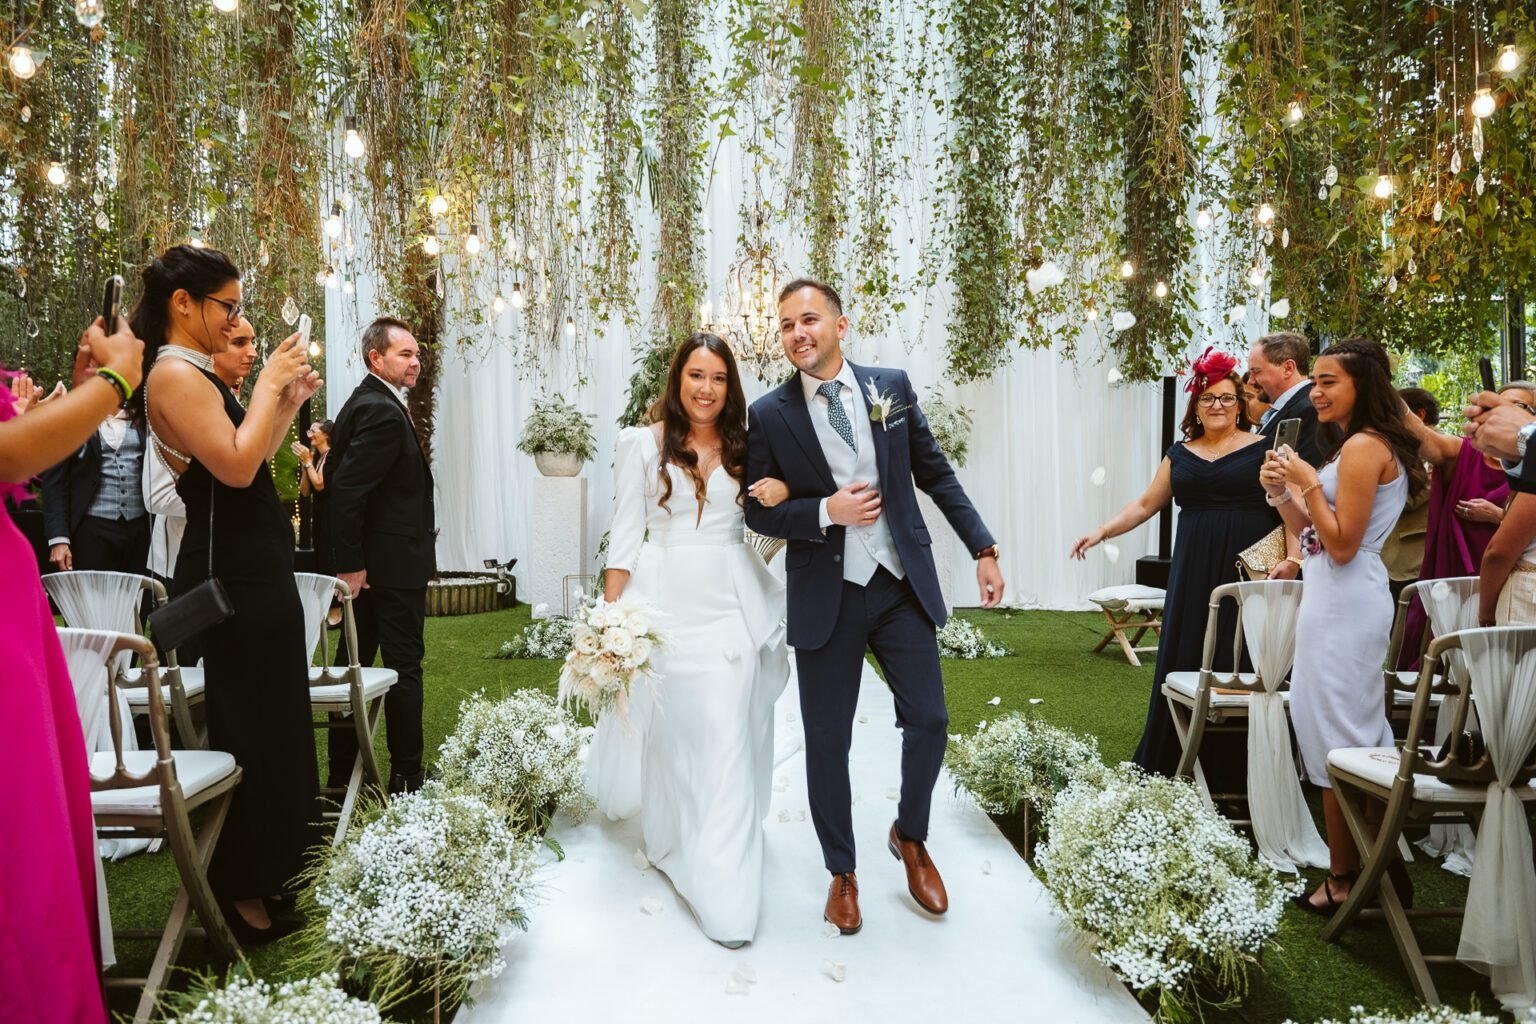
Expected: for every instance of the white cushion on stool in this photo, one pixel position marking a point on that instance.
(1129, 597)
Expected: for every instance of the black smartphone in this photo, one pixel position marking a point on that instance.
(111, 303)
(1485, 371)
(1288, 433)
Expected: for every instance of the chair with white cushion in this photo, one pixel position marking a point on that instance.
(1402, 683)
(348, 696)
(111, 602)
(1127, 608)
(1491, 785)
(153, 794)
(1207, 700)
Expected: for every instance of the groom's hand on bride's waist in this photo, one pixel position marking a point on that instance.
(854, 505)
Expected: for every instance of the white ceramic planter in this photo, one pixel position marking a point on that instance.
(558, 463)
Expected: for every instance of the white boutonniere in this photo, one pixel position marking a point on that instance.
(882, 407)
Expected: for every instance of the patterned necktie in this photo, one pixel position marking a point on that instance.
(832, 391)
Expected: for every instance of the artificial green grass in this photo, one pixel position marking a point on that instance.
(1100, 694)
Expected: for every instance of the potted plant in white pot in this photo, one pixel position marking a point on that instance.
(558, 436)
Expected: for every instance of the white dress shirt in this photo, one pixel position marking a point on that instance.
(399, 393)
(866, 548)
(1279, 403)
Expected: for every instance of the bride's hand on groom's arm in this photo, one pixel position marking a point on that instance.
(768, 492)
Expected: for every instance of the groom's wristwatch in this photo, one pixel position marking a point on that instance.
(990, 551)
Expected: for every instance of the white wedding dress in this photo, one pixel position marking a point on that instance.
(695, 760)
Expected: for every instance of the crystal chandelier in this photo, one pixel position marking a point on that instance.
(749, 316)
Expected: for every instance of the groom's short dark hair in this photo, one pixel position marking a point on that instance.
(827, 291)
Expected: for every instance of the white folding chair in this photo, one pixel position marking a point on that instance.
(347, 697)
(1491, 787)
(111, 601)
(152, 794)
(1209, 700)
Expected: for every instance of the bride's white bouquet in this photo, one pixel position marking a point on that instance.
(611, 647)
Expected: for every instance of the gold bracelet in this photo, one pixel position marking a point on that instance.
(1308, 490)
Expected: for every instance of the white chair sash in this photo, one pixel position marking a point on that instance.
(1451, 606)
(90, 599)
(1283, 828)
(315, 595)
(1498, 933)
(85, 652)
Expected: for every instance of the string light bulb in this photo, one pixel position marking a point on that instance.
(1161, 290)
(472, 240)
(570, 327)
(1482, 103)
(1256, 274)
(89, 13)
(22, 63)
(1203, 218)
(1093, 313)
(353, 144)
(226, 6)
(57, 176)
(1127, 269)
(498, 304)
(431, 246)
(331, 280)
(1295, 112)
(333, 222)
(1266, 213)
(439, 205)
(1383, 189)
(1509, 57)
(314, 350)
(347, 287)
(517, 295)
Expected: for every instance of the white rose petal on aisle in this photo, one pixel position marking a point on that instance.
(611, 647)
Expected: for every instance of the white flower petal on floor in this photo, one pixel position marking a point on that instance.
(734, 986)
(781, 784)
(995, 701)
(863, 719)
(641, 861)
(986, 867)
(830, 930)
(892, 794)
(732, 654)
(650, 906)
(745, 973)
(1037, 700)
(1123, 320)
(784, 815)
(1098, 476)
(790, 716)
(836, 970)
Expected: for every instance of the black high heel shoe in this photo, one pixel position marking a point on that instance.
(248, 934)
(1304, 901)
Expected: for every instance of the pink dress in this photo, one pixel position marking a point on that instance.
(49, 937)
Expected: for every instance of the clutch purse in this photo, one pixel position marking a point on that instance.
(1257, 559)
(179, 620)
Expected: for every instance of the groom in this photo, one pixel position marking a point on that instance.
(850, 441)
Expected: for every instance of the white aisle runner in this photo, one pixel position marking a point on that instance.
(593, 952)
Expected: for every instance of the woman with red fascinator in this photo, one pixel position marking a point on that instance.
(1211, 474)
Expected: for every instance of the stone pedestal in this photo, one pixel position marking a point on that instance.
(945, 560)
(557, 540)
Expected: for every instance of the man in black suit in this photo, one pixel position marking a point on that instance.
(1280, 364)
(93, 501)
(381, 522)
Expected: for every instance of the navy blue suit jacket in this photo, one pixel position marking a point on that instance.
(782, 443)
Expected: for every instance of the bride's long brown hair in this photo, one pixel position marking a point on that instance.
(668, 411)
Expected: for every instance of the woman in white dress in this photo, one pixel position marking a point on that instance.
(696, 757)
(1344, 513)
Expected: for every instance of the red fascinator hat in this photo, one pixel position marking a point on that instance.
(1212, 366)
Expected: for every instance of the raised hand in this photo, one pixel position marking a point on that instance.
(287, 363)
(119, 351)
(24, 393)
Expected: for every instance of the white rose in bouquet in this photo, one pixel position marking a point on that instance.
(597, 618)
(637, 621)
(618, 640)
(584, 640)
(640, 650)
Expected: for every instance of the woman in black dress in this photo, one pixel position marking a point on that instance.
(255, 668)
(1221, 511)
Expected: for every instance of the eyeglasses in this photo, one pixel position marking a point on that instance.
(1522, 405)
(232, 310)
(1206, 401)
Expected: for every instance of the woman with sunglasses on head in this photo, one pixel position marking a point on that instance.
(255, 665)
(1212, 475)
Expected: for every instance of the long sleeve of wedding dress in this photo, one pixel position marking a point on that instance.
(631, 470)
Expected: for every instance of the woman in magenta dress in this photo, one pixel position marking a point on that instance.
(49, 930)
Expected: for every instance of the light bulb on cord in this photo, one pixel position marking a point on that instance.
(439, 205)
(226, 6)
(1093, 313)
(1295, 112)
(1256, 275)
(347, 288)
(1203, 218)
(498, 304)
(23, 64)
(330, 277)
(1161, 291)
(517, 295)
(1509, 57)
(56, 174)
(1383, 189)
(1266, 213)
(89, 12)
(196, 241)
(333, 222)
(570, 326)
(353, 145)
(431, 246)
(1482, 103)
(472, 240)
(1127, 269)
(314, 350)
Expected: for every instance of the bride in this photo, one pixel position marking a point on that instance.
(696, 756)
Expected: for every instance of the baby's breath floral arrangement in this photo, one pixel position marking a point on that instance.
(523, 752)
(421, 896)
(245, 1000)
(1171, 896)
(546, 638)
(1425, 1015)
(1019, 760)
(556, 426)
(963, 639)
(950, 425)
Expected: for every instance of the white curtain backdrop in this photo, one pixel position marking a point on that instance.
(1044, 425)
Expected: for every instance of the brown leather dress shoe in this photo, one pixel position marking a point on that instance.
(923, 880)
(843, 904)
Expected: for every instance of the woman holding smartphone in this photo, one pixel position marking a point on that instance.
(1212, 475)
(1344, 513)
